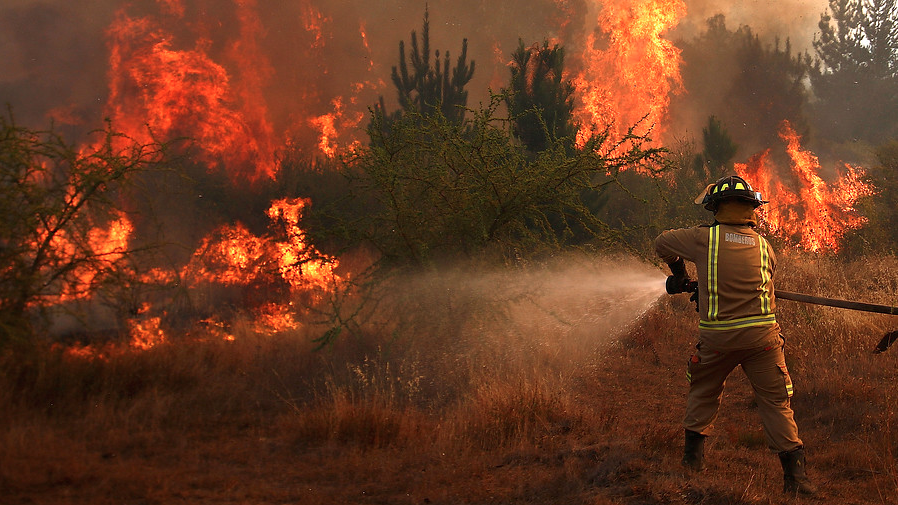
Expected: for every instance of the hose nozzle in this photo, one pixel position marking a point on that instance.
(676, 284)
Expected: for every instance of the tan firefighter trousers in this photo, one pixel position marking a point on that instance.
(765, 369)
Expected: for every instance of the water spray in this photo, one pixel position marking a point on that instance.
(676, 285)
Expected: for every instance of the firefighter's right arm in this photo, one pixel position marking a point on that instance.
(674, 246)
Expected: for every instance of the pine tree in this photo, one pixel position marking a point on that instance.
(428, 89)
(747, 84)
(539, 100)
(717, 156)
(855, 76)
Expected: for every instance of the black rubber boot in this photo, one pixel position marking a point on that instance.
(694, 451)
(795, 480)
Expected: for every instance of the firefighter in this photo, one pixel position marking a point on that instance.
(737, 309)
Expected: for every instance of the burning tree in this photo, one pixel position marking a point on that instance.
(63, 233)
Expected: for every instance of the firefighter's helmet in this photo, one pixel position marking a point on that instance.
(731, 186)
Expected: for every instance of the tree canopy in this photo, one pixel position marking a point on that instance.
(539, 99)
(439, 189)
(855, 76)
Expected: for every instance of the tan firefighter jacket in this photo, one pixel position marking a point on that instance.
(735, 268)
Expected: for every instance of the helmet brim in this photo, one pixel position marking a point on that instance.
(701, 198)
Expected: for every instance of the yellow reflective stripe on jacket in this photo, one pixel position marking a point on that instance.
(766, 275)
(713, 246)
(743, 322)
(713, 249)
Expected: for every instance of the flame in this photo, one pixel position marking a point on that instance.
(276, 317)
(629, 68)
(105, 244)
(146, 331)
(183, 92)
(364, 33)
(173, 86)
(330, 113)
(817, 215)
(327, 138)
(298, 263)
(314, 21)
(232, 255)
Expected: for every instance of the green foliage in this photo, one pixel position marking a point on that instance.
(859, 36)
(855, 77)
(53, 197)
(336, 203)
(539, 101)
(771, 87)
(880, 235)
(429, 89)
(717, 156)
(439, 189)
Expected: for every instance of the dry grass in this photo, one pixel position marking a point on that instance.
(469, 388)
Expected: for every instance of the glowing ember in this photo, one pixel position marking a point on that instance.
(629, 68)
(146, 332)
(817, 215)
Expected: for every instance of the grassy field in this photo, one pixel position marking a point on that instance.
(561, 385)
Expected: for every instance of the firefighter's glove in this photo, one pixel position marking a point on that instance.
(678, 269)
(694, 297)
(679, 281)
(676, 284)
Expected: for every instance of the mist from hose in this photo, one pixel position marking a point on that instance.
(567, 310)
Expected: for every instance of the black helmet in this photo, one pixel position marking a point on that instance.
(731, 186)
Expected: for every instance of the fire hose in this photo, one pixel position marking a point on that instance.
(679, 285)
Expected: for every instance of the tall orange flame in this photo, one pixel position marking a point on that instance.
(182, 92)
(629, 68)
(817, 215)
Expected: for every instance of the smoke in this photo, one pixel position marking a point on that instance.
(54, 60)
(310, 58)
(795, 20)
